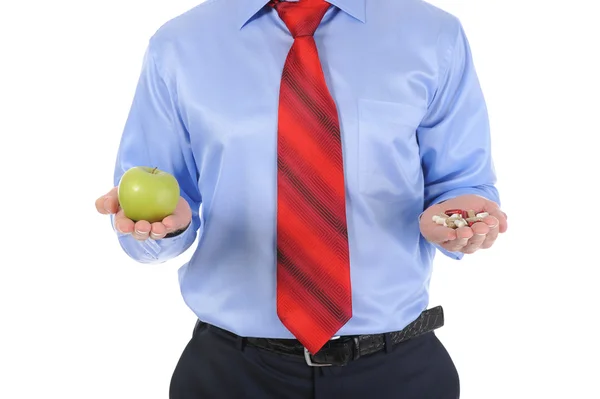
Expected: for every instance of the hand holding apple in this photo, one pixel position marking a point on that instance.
(480, 235)
(146, 204)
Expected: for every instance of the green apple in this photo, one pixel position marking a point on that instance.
(148, 194)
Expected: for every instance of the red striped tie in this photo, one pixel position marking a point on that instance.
(313, 273)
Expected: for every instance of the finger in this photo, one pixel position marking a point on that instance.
(141, 231)
(172, 223)
(491, 237)
(480, 229)
(439, 234)
(492, 221)
(180, 219)
(175, 222)
(158, 231)
(474, 242)
(463, 234)
(123, 224)
(501, 219)
(109, 203)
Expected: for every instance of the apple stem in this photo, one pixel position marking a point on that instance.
(154, 170)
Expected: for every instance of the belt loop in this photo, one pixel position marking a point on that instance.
(198, 322)
(240, 343)
(388, 342)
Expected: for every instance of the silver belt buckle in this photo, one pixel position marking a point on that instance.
(308, 358)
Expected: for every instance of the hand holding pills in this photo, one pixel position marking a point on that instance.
(464, 224)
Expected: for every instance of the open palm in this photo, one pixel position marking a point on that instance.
(142, 229)
(480, 235)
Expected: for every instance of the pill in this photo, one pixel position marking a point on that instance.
(474, 219)
(451, 212)
(439, 220)
(460, 223)
(482, 215)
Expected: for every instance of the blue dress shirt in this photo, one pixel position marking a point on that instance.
(414, 128)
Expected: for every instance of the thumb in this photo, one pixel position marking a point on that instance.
(108, 203)
(436, 233)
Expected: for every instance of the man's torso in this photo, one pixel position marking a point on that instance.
(224, 79)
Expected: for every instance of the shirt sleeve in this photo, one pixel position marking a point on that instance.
(155, 136)
(454, 136)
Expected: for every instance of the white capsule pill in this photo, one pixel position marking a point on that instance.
(482, 215)
(438, 219)
(460, 223)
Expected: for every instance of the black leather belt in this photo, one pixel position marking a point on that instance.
(339, 351)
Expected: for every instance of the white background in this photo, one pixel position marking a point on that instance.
(80, 320)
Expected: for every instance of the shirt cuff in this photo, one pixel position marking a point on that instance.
(156, 251)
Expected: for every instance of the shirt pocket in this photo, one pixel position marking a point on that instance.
(389, 164)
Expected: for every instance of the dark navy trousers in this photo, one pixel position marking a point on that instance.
(216, 365)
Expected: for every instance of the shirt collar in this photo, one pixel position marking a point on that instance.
(247, 9)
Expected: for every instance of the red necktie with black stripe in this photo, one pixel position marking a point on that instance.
(313, 273)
